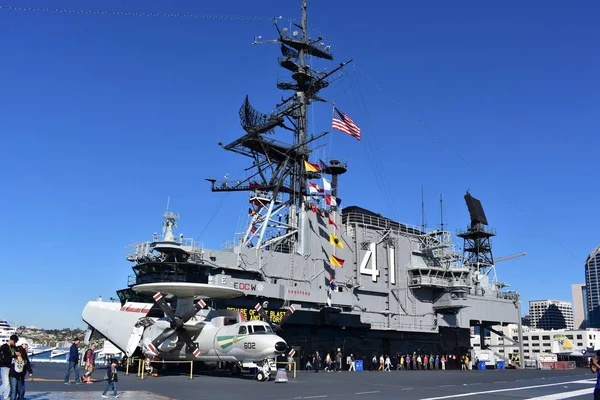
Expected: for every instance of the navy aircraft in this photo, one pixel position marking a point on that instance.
(191, 332)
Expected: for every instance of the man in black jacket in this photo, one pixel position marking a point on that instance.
(73, 362)
(7, 353)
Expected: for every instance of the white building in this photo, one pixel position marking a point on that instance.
(539, 341)
(579, 292)
(551, 314)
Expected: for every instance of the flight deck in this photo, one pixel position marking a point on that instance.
(360, 385)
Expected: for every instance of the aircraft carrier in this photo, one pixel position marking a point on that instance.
(355, 279)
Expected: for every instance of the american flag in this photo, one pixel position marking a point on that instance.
(344, 123)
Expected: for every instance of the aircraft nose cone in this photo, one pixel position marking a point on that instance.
(280, 346)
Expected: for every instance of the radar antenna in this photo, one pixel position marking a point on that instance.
(477, 248)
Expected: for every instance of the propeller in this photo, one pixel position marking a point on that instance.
(276, 327)
(176, 325)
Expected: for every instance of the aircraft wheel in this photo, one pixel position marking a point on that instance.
(235, 369)
(260, 376)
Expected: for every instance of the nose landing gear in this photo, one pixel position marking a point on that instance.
(264, 370)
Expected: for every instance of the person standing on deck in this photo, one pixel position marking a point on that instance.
(73, 362)
(24, 347)
(19, 369)
(595, 367)
(388, 363)
(90, 363)
(7, 354)
(352, 365)
(111, 379)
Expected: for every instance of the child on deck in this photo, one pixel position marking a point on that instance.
(111, 379)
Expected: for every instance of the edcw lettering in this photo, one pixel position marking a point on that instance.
(244, 286)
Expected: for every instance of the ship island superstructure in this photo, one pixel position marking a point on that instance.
(356, 279)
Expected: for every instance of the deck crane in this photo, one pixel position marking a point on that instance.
(521, 254)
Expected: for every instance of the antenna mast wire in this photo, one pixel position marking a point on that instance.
(13, 7)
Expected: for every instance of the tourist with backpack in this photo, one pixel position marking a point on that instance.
(90, 363)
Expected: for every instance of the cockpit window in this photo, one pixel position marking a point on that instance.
(243, 330)
(269, 330)
(259, 329)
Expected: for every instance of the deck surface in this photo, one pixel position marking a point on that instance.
(361, 385)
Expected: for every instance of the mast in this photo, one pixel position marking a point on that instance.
(169, 223)
(423, 225)
(302, 99)
(303, 120)
(442, 225)
(277, 177)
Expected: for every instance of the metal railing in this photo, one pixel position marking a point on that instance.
(509, 295)
(428, 281)
(145, 251)
(166, 277)
(477, 228)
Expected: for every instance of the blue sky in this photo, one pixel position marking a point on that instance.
(103, 117)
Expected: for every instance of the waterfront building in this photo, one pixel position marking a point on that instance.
(551, 314)
(592, 283)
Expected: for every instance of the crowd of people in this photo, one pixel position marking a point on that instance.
(15, 365)
(431, 362)
(383, 362)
